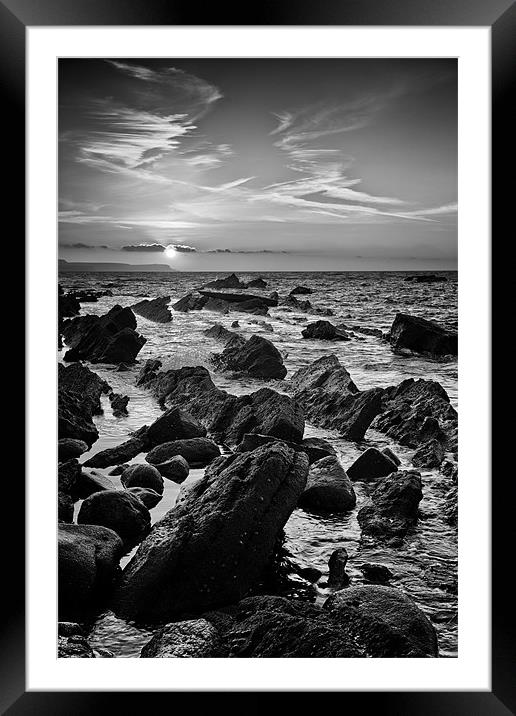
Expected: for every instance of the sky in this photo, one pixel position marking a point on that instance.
(259, 165)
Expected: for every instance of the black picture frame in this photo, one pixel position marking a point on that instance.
(500, 16)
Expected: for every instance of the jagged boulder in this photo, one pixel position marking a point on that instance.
(315, 448)
(256, 283)
(256, 356)
(429, 454)
(110, 338)
(330, 399)
(174, 424)
(78, 400)
(328, 488)
(119, 404)
(121, 453)
(393, 509)
(219, 333)
(231, 281)
(213, 547)
(371, 465)
(226, 417)
(417, 335)
(154, 310)
(190, 302)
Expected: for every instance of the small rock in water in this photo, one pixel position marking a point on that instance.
(301, 290)
(338, 577)
(371, 465)
(118, 404)
(328, 488)
(175, 469)
(376, 573)
(143, 476)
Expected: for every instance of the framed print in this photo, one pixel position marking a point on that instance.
(263, 248)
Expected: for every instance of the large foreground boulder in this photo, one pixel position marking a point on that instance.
(110, 338)
(328, 488)
(385, 621)
(226, 417)
(119, 511)
(88, 558)
(213, 547)
(256, 356)
(155, 309)
(371, 465)
(417, 335)
(330, 398)
(394, 505)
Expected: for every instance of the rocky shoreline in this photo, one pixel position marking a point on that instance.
(211, 575)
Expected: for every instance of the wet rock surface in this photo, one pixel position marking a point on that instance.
(198, 452)
(119, 511)
(213, 547)
(88, 558)
(371, 465)
(412, 333)
(328, 488)
(394, 505)
(110, 338)
(196, 638)
(154, 309)
(324, 331)
(256, 356)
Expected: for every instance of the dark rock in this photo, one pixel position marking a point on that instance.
(74, 647)
(227, 417)
(68, 474)
(256, 356)
(64, 507)
(239, 298)
(235, 324)
(118, 404)
(449, 468)
(392, 455)
(293, 302)
(213, 547)
(328, 488)
(311, 574)
(110, 338)
(338, 577)
(330, 399)
(255, 283)
(217, 305)
(78, 400)
(302, 290)
(394, 505)
(231, 281)
(371, 465)
(88, 559)
(190, 302)
(174, 424)
(220, 333)
(376, 332)
(155, 310)
(385, 621)
(119, 511)
(196, 638)
(150, 498)
(69, 629)
(276, 627)
(118, 470)
(324, 331)
(317, 449)
(376, 573)
(175, 469)
(429, 454)
(119, 454)
(421, 336)
(406, 408)
(143, 476)
(198, 452)
(68, 448)
(122, 368)
(90, 481)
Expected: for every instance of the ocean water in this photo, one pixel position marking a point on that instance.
(425, 567)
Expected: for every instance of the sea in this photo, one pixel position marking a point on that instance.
(425, 566)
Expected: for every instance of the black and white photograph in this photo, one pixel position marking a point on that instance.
(257, 358)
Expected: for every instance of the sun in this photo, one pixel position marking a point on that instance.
(170, 252)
